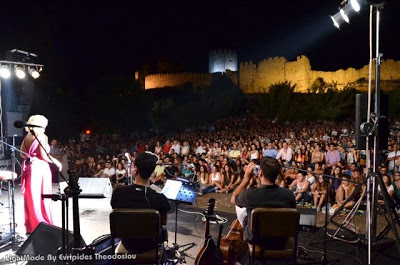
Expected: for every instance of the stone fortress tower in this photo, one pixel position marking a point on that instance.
(221, 60)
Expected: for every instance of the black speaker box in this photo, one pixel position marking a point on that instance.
(361, 117)
(308, 216)
(44, 243)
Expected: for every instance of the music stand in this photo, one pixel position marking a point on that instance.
(179, 193)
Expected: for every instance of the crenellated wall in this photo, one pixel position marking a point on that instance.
(177, 79)
(258, 78)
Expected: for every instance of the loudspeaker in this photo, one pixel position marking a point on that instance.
(95, 187)
(308, 216)
(11, 130)
(44, 242)
(361, 117)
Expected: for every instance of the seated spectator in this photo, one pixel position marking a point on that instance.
(319, 192)
(301, 188)
(345, 190)
(229, 179)
(109, 170)
(98, 173)
(216, 181)
(120, 174)
(291, 173)
(389, 188)
(396, 187)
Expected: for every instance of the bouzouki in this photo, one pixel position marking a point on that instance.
(209, 254)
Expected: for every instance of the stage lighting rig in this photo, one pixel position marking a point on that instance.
(349, 8)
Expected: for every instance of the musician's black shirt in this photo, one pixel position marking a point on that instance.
(264, 196)
(134, 197)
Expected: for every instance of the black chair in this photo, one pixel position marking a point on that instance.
(139, 225)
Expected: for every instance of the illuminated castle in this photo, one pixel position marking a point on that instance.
(257, 78)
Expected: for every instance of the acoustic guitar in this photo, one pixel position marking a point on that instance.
(209, 254)
(232, 245)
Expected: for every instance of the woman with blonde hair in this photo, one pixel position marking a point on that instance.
(36, 173)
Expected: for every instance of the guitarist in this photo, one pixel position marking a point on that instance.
(141, 196)
(267, 195)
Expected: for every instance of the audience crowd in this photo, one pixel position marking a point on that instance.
(215, 156)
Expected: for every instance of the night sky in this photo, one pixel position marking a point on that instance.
(80, 41)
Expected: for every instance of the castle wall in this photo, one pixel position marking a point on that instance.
(177, 79)
(258, 78)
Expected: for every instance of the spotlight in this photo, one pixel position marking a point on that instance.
(337, 20)
(351, 8)
(34, 72)
(355, 5)
(19, 72)
(5, 72)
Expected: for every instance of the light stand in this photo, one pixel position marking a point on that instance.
(372, 219)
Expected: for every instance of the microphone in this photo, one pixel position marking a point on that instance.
(128, 157)
(20, 124)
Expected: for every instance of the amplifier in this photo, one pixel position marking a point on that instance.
(308, 216)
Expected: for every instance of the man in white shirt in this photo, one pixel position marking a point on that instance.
(392, 157)
(109, 170)
(177, 147)
(285, 154)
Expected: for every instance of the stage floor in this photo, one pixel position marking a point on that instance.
(94, 222)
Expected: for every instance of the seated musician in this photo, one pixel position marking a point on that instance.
(267, 195)
(141, 196)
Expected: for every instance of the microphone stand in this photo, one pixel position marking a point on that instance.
(324, 258)
(13, 159)
(64, 203)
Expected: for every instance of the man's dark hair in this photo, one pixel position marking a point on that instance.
(270, 168)
(145, 163)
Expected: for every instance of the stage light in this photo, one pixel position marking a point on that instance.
(337, 20)
(344, 16)
(5, 71)
(351, 8)
(34, 72)
(355, 5)
(19, 72)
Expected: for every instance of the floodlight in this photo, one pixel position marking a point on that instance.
(5, 71)
(19, 72)
(355, 5)
(345, 13)
(344, 16)
(337, 20)
(34, 72)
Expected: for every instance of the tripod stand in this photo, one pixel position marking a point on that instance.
(11, 196)
(179, 193)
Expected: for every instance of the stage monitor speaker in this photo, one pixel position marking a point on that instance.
(95, 187)
(308, 216)
(44, 241)
(361, 117)
(11, 130)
